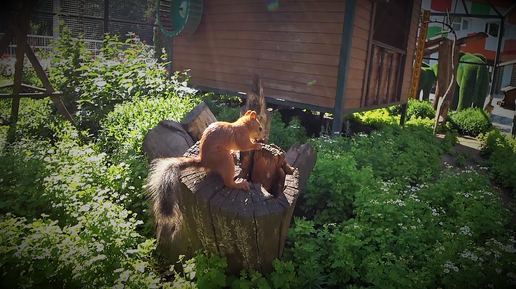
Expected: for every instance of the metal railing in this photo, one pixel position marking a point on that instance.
(42, 43)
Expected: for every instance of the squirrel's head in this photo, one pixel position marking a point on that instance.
(256, 130)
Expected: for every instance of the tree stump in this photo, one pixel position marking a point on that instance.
(249, 228)
(197, 120)
(267, 167)
(167, 139)
(446, 78)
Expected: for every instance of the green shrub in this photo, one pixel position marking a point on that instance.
(501, 153)
(123, 71)
(29, 75)
(85, 238)
(426, 122)
(420, 109)
(36, 118)
(124, 128)
(377, 117)
(461, 159)
(332, 186)
(417, 237)
(451, 138)
(405, 155)
(224, 113)
(471, 121)
(285, 136)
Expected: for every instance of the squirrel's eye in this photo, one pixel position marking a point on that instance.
(260, 128)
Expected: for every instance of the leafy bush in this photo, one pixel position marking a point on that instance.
(420, 109)
(124, 128)
(29, 75)
(85, 237)
(471, 121)
(94, 84)
(501, 152)
(35, 117)
(377, 117)
(405, 155)
(286, 135)
(332, 186)
(421, 236)
(224, 113)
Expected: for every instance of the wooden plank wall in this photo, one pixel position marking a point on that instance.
(358, 55)
(294, 48)
(411, 50)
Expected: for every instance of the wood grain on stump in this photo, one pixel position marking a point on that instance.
(197, 120)
(167, 139)
(249, 228)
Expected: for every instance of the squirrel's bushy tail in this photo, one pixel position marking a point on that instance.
(163, 186)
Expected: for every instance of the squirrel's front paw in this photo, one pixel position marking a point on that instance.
(244, 185)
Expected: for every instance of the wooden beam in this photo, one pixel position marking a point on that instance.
(507, 63)
(513, 130)
(431, 50)
(465, 6)
(460, 41)
(434, 41)
(31, 95)
(24, 47)
(365, 84)
(342, 75)
(468, 39)
(20, 24)
(480, 16)
(6, 40)
(26, 86)
(510, 10)
(420, 49)
(494, 8)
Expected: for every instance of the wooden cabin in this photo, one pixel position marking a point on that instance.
(332, 56)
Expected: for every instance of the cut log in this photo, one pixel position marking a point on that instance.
(445, 92)
(167, 139)
(431, 47)
(248, 228)
(267, 167)
(256, 101)
(197, 120)
(302, 157)
(431, 42)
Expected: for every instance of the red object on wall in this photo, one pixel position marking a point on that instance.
(441, 5)
(478, 46)
(509, 51)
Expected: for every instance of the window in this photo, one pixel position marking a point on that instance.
(392, 22)
(465, 24)
(460, 23)
(492, 29)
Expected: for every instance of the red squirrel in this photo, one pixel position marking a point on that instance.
(217, 143)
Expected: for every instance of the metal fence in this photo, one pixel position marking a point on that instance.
(41, 43)
(88, 19)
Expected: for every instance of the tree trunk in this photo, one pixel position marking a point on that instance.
(446, 75)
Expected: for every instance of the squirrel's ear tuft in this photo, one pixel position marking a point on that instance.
(252, 114)
(247, 112)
